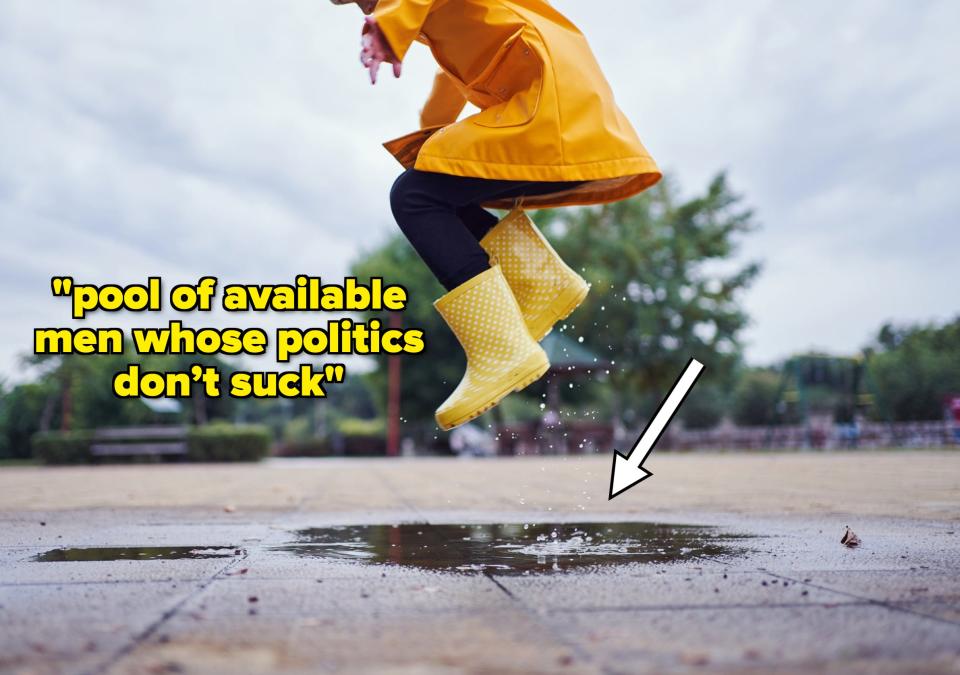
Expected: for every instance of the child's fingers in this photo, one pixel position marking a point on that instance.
(374, 68)
(397, 67)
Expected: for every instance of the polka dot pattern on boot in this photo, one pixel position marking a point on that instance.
(486, 319)
(542, 283)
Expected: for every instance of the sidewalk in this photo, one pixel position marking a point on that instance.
(900, 484)
(787, 599)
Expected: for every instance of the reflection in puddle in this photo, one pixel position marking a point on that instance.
(132, 553)
(513, 549)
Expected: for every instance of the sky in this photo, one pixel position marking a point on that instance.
(182, 139)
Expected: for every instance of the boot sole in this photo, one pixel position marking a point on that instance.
(520, 379)
(567, 301)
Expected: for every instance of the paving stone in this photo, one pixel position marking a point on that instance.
(262, 564)
(886, 545)
(118, 571)
(319, 615)
(364, 597)
(885, 585)
(938, 609)
(11, 555)
(693, 587)
(508, 641)
(102, 529)
(69, 628)
(759, 637)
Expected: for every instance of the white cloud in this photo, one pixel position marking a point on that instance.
(181, 138)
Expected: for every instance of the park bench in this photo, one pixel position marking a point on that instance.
(156, 441)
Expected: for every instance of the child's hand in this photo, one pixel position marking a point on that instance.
(376, 50)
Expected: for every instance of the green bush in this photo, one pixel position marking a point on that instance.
(308, 447)
(755, 398)
(355, 426)
(212, 443)
(23, 408)
(228, 443)
(358, 437)
(62, 447)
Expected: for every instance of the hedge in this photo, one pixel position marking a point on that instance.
(336, 446)
(353, 427)
(62, 447)
(307, 447)
(211, 443)
(228, 443)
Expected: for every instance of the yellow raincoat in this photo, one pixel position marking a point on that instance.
(546, 110)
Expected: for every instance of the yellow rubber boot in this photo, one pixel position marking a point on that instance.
(546, 289)
(502, 357)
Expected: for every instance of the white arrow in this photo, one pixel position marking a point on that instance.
(628, 469)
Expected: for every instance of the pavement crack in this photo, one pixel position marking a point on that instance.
(714, 607)
(152, 629)
(537, 618)
(886, 604)
(502, 587)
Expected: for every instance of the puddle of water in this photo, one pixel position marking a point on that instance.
(513, 549)
(99, 554)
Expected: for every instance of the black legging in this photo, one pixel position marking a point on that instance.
(442, 217)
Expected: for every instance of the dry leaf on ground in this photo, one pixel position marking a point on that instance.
(850, 539)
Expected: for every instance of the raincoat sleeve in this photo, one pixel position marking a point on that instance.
(444, 104)
(401, 21)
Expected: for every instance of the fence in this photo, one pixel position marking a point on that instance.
(581, 438)
(936, 434)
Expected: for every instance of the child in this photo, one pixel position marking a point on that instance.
(548, 134)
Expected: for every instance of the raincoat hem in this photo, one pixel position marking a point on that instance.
(615, 168)
(590, 194)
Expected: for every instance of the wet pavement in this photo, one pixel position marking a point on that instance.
(467, 590)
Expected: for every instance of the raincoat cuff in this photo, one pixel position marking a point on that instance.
(400, 22)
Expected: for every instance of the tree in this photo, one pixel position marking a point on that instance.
(657, 296)
(5, 450)
(22, 407)
(755, 398)
(77, 392)
(704, 407)
(911, 369)
(428, 377)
